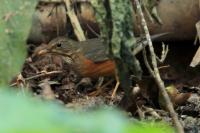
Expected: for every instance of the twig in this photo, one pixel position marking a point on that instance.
(165, 50)
(100, 89)
(74, 21)
(43, 75)
(140, 45)
(106, 84)
(93, 31)
(156, 75)
(196, 40)
(38, 76)
(165, 66)
(99, 82)
(147, 63)
(196, 60)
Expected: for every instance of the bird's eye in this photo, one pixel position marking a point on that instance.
(58, 44)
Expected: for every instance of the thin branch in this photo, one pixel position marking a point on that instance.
(74, 21)
(156, 74)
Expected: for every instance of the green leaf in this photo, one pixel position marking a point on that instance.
(115, 21)
(23, 114)
(15, 23)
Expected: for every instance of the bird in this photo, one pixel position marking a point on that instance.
(89, 58)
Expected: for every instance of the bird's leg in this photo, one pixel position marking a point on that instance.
(116, 86)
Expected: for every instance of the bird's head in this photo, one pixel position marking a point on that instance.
(62, 46)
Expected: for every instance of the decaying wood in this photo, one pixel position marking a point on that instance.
(178, 17)
(49, 21)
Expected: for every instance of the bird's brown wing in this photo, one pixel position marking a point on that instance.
(95, 50)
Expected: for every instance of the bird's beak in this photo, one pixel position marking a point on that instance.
(42, 52)
(39, 53)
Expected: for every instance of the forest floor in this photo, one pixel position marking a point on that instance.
(50, 78)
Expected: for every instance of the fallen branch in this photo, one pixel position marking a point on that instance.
(155, 73)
